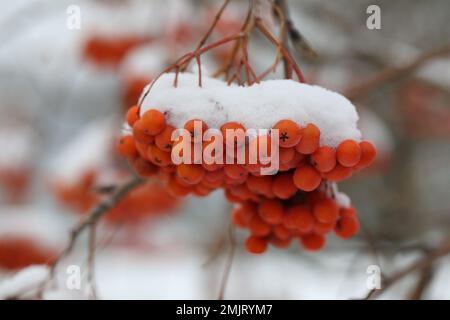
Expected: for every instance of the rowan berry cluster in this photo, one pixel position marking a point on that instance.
(294, 202)
(308, 217)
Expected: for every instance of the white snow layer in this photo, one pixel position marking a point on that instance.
(259, 106)
(25, 282)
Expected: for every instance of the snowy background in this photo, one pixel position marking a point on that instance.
(62, 101)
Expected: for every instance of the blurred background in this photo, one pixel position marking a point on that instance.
(64, 91)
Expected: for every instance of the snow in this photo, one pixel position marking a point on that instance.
(259, 106)
(17, 146)
(145, 61)
(26, 281)
(88, 150)
(436, 72)
(32, 223)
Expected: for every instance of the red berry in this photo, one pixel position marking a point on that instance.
(326, 210)
(307, 178)
(310, 139)
(289, 133)
(347, 227)
(313, 242)
(324, 159)
(271, 211)
(256, 245)
(348, 153)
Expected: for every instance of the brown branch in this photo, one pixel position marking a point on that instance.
(420, 264)
(91, 261)
(229, 262)
(289, 60)
(390, 74)
(90, 220)
(425, 278)
(299, 42)
(210, 30)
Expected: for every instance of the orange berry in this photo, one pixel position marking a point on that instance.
(323, 228)
(139, 133)
(289, 133)
(183, 182)
(338, 173)
(132, 115)
(283, 186)
(237, 220)
(243, 214)
(201, 190)
(295, 162)
(313, 242)
(163, 140)
(141, 148)
(242, 192)
(153, 122)
(298, 217)
(347, 227)
(238, 133)
(260, 185)
(233, 182)
(231, 197)
(280, 243)
(281, 232)
(158, 157)
(126, 147)
(144, 168)
(271, 211)
(325, 210)
(324, 159)
(211, 184)
(256, 245)
(368, 153)
(190, 173)
(213, 176)
(286, 155)
(347, 212)
(310, 139)
(190, 126)
(307, 178)
(176, 189)
(258, 227)
(348, 153)
(235, 171)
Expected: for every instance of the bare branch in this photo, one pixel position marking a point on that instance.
(421, 264)
(299, 42)
(89, 221)
(229, 262)
(391, 74)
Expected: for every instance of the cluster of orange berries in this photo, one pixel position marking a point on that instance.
(304, 166)
(308, 217)
(148, 200)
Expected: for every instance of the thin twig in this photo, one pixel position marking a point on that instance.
(390, 74)
(229, 262)
(298, 40)
(93, 217)
(420, 264)
(425, 278)
(91, 261)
